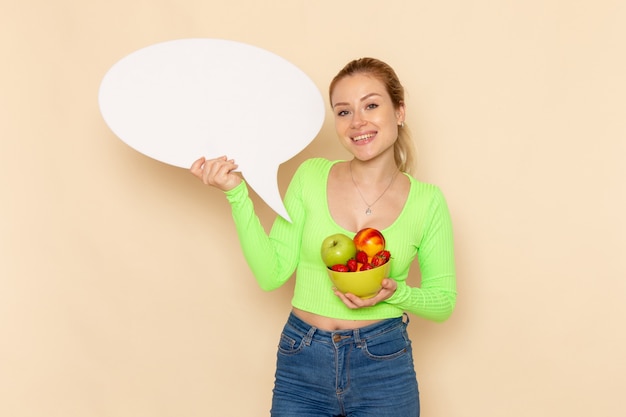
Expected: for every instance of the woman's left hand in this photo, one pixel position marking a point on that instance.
(353, 302)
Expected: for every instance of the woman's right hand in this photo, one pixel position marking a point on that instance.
(217, 172)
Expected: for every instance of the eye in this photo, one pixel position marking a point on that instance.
(342, 113)
(371, 106)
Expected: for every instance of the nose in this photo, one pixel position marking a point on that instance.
(357, 120)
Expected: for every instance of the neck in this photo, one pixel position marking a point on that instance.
(373, 171)
(375, 184)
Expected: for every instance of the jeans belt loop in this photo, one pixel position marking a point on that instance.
(309, 336)
(357, 338)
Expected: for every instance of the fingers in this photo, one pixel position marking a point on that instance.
(196, 167)
(216, 172)
(390, 285)
(351, 301)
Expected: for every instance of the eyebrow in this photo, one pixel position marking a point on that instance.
(362, 99)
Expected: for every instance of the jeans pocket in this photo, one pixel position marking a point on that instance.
(387, 346)
(291, 342)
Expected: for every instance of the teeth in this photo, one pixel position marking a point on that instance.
(362, 137)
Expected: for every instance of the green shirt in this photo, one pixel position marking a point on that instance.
(422, 229)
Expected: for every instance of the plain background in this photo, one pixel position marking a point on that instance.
(123, 292)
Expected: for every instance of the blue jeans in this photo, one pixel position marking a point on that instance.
(366, 372)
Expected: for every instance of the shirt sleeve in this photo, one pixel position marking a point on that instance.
(436, 297)
(271, 257)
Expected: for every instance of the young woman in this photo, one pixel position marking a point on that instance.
(338, 354)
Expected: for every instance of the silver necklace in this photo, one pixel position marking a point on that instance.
(368, 211)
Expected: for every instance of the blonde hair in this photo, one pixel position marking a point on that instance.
(404, 149)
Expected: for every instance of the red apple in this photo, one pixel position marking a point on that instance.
(370, 241)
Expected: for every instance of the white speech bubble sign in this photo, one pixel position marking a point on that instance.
(179, 100)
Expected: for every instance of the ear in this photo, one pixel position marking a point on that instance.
(400, 113)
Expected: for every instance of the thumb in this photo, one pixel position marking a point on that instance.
(389, 284)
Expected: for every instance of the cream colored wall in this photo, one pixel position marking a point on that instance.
(123, 292)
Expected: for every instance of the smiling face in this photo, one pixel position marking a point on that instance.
(366, 119)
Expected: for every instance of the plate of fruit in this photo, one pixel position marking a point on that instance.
(357, 265)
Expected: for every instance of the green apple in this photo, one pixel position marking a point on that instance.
(337, 249)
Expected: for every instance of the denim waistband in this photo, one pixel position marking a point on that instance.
(313, 333)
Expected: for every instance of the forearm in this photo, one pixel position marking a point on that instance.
(263, 253)
(434, 302)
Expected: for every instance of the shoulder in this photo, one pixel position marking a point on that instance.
(426, 194)
(314, 167)
(317, 164)
(423, 188)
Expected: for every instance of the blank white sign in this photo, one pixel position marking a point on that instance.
(179, 100)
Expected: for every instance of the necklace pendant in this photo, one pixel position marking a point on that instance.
(368, 211)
